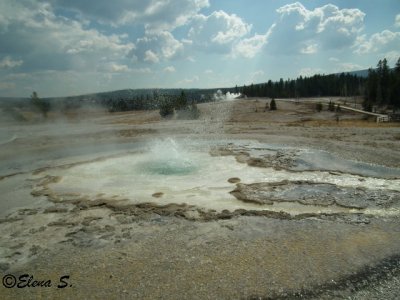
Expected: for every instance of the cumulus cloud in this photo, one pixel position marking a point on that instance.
(46, 41)
(397, 21)
(8, 63)
(381, 42)
(117, 68)
(324, 28)
(154, 15)
(155, 47)
(169, 69)
(249, 47)
(309, 49)
(150, 56)
(217, 32)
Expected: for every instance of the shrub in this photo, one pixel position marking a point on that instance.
(272, 105)
(331, 106)
(166, 109)
(367, 105)
(318, 107)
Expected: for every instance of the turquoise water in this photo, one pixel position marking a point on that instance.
(177, 167)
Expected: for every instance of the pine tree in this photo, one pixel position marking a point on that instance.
(331, 106)
(272, 105)
(181, 102)
(385, 82)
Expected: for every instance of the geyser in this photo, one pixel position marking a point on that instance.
(220, 96)
(168, 158)
(186, 172)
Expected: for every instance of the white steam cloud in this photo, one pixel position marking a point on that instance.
(220, 96)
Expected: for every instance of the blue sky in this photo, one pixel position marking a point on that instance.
(70, 47)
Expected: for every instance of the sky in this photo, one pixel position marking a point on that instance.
(73, 47)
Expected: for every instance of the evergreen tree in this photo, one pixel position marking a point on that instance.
(272, 105)
(331, 106)
(181, 101)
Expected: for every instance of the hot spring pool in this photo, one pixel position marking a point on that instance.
(186, 173)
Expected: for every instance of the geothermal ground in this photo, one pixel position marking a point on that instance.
(242, 203)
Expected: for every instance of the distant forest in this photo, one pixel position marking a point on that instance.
(314, 86)
(380, 88)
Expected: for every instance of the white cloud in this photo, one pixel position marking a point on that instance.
(379, 42)
(325, 28)
(309, 49)
(155, 47)
(249, 47)
(208, 71)
(397, 21)
(257, 74)
(347, 67)
(392, 56)
(217, 32)
(154, 15)
(169, 69)
(8, 63)
(46, 41)
(150, 56)
(333, 59)
(119, 68)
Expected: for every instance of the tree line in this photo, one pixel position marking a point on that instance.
(314, 86)
(382, 87)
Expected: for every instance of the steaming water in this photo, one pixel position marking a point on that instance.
(188, 174)
(167, 158)
(219, 96)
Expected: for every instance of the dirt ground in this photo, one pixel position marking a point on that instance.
(102, 250)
